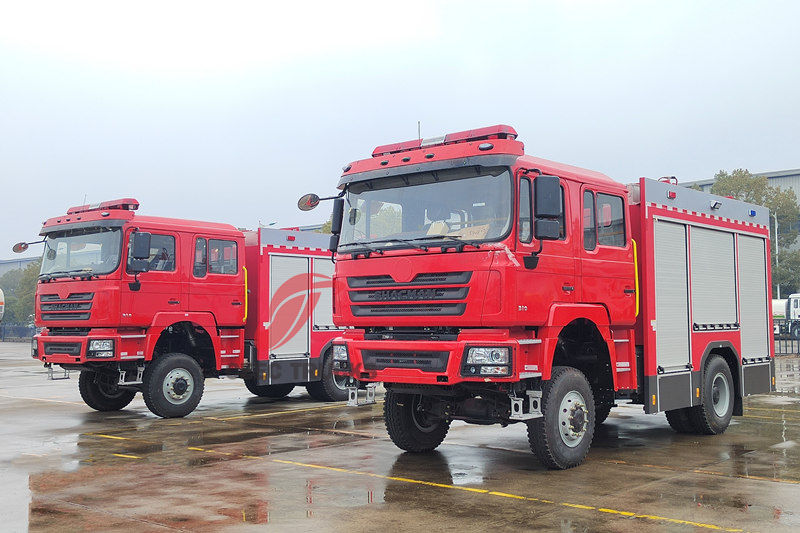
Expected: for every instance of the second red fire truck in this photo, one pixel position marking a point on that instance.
(140, 303)
(486, 285)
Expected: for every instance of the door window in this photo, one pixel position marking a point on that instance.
(611, 223)
(222, 257)
(200, 258)
(162, 253)
(589, 228)
(525, 232)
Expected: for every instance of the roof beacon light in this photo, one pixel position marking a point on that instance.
(126, 204)
(671, 195)
(715, 204)
(500, 131)
(752, 212)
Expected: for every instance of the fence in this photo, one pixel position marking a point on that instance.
(787, 338)
(11, 332)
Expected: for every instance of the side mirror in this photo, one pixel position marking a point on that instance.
(547, 197)
(337, 216)
(19, 247)
(307, 202)
(546, 229)
(137, 266)
(140, 248)
(333, 244)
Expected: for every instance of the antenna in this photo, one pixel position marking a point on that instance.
(419, 130)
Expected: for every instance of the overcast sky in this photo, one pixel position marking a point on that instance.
(229, 111)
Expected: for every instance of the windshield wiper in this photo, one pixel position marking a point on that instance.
(455, 238)
(67, 273)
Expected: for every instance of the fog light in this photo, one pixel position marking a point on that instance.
(494, 370)
(339, 352)
(102, 354)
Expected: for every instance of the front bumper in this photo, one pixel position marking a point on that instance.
(425, 362)
(73, 349)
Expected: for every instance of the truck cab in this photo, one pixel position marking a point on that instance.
(483, 284)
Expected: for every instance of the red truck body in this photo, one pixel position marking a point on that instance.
(252, 304)
(638, 292)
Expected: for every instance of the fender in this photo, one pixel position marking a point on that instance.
(161, 321)
(559, 316)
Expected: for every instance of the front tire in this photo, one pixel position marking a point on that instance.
(714, 413)
(680, 420)
(274, 392)
(330, 388)
(562, 436)
(172, 385)
(101, 393)
(409, 426)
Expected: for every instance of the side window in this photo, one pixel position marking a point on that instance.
(589, 228)
(162, 253)
(525, 232)
(611, 220)
(222, 257)
(200, 258)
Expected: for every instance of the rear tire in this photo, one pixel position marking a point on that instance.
(408, 425)
(562, 436)
(680, 420)
(275, 392)
(329, 388)
(172, 385)
(714, 413)
(101, 394)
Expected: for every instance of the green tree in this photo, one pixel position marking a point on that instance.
(782, 204)
(19, 287)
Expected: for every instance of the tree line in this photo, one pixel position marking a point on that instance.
(19, 287)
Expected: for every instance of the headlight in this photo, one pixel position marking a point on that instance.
(339, 352)
(98, 345)
(100, 348)
(487, 356)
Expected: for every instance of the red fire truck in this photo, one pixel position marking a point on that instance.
(140, 303)
(490, 286)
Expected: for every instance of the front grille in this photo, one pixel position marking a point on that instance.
(425, 361)
(67, 306)
(66, 316)
(433, 301)
(54, 307)
(412, 334)
(68, 332)
(445, 309)
(69, 348)
(411, 294)
(427, 278)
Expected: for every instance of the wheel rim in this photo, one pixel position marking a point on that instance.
(421, 420)
(178, 386)
(573, 418)
(720, 394)
(340, 382)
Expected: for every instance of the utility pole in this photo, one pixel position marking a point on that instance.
(777, 250)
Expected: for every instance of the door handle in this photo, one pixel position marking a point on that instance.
(567, 288)
(236, 302)
(630, 291)
(173, 302)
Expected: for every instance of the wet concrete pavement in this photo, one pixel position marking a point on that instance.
(241, 463)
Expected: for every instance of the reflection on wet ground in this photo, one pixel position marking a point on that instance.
(240, 463)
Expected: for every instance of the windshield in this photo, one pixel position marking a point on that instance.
(472, 204)
(82, 251)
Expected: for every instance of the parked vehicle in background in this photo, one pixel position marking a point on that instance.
(786, 314)
(157, 305)
(2, 305)
(489, 286)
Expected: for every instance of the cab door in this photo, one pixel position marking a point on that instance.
(160, 288)
(552, 278)
(216, 282)
(606, 254)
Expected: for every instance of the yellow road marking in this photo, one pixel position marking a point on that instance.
(125, 456)
(275, 413)
(707, 472)
(796, 411)
(777, 418)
